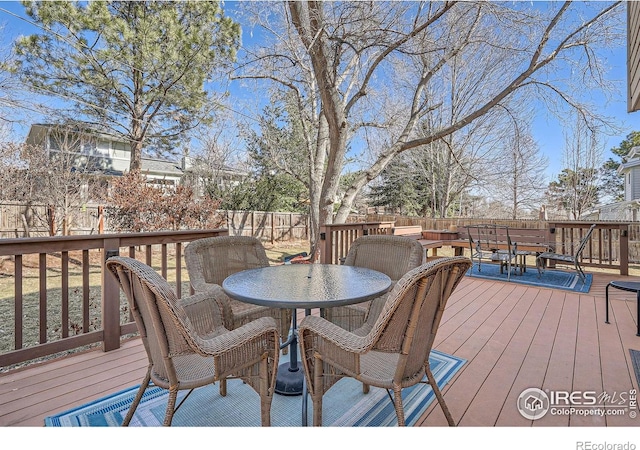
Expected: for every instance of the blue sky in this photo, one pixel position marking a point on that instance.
(547, 129)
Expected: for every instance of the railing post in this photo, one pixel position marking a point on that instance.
(624, 249)
(110, 300)
(325, 245)
(553, 237)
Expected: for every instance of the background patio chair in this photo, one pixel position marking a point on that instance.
(395, 353)
(571, 259)
(392, 255)
(210, 260)
(493, 243)
(188, 346)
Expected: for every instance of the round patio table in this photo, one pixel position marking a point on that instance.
(629, 286)
(303, 286)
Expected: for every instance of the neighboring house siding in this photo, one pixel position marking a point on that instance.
(628, 192)
(633, 55)
(635, 183)
(103, 154)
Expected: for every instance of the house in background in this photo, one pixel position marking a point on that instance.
(102, 156)
(630, 171)
(99, 153)
(629, 208)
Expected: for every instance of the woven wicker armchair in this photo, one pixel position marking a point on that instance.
(187, 344)
(210, 260)
(395, 353)
(392, 255)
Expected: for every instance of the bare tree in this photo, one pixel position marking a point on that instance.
(59, 176)
(520, 183)
(576, 189)
(373, 71)
(132, 68)
(214, 154)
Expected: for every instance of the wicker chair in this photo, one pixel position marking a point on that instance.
(392, 255)
(210, 260)
(395, 353)
(188, 346)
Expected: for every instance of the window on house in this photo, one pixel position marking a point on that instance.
(103, 148)
(120, 150)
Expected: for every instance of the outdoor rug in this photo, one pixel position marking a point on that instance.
(551, 278)
(635, 359)
(343, 405)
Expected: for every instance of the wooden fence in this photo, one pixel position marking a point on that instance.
(19, 220)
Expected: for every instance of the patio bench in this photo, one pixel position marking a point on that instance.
(415, 232)
(528, 241)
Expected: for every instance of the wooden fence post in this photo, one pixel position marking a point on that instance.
(51, 214)
(100, 219)
(273, 227)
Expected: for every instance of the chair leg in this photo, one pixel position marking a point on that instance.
(606, 302)
(265, 396)
(540, 263)
(316, 395)
(397, 403)
(171, 404)
(580, 271)
(223, 387)
(438, 394)
(365, 388)
(136, 400)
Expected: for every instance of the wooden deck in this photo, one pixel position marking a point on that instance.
(513, 337)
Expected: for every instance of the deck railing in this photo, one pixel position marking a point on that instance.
(607, 248)
(335, 239)
(62, 297)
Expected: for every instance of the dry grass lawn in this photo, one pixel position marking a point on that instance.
(31, 299)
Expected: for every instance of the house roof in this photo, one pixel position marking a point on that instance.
(37, 132)
(160, 166)
(633, 160)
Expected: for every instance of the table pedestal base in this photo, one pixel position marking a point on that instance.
(288, 381)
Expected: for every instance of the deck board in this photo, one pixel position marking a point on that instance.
(512, 336)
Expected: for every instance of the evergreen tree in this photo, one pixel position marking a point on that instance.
(398, 189)
(135, 68)
(612, 184)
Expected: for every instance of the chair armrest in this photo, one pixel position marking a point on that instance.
(263, 329)
(333, 335)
